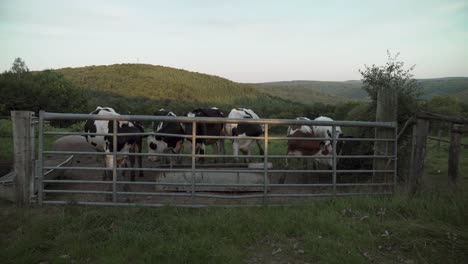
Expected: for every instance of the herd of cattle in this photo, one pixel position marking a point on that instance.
(170, 136)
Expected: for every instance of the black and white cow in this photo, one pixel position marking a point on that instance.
(207, 129)
(353, 148)
(243, 130)
(125, 144)
(166, 144)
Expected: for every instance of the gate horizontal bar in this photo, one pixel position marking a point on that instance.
(184, 119)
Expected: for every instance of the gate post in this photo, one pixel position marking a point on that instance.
(387, 104)
(23, 151)
(454, 153)
(418, 154)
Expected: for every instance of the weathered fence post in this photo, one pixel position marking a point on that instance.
(439, 135)
(23, 148)
(454, 153)
(418, 154)
(387, 104)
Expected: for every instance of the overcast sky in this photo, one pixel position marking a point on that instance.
(244, 41)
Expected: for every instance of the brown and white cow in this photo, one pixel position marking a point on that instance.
(301, 147)
(304, 147)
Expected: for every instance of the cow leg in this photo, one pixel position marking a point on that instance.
(131, 159)
(179, 150)
(139, 158)
(215, 150)
(109, 161)
(245, 152)
(235, 150)
(202, 152)
(260, 149)
(222, 148)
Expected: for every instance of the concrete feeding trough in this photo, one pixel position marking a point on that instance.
(215, 178)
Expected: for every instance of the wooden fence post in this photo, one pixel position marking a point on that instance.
(418, 154)
(23, 148)
(387, 104)
(439, 135)
(454, 153)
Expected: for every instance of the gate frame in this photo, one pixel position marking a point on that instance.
(44, 116)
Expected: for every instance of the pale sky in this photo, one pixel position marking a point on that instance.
(244, 41)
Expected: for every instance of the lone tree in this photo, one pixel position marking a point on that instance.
(393, 75)
(19, 67)
(392, 82)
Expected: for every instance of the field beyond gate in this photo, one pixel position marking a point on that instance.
(231, 182)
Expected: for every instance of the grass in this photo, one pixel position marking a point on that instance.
(424, 229)
(427, 228)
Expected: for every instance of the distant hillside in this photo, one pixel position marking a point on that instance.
(336, 92)
(309, 92)
(451, 86)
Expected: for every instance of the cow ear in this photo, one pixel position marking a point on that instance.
(234, 132)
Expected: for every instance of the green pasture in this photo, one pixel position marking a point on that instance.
(427, 228)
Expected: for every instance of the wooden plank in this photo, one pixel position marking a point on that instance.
(454, 154)
(443, 140)
(435, 116)
(408, 123)
(418, 154)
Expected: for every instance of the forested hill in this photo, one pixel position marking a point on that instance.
(158, 83)
(333, 92)
(142, 89)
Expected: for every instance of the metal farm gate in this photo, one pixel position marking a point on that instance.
(272, 178)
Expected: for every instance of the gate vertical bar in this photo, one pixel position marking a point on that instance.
(395, 159)
(40, 158)
(32, 185)
(114, 164)
(334, 158)
(265, 160)
(194, 143)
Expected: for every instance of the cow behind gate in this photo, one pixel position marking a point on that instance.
(243, 130)
(165, 143)
(207, 129)
(125, 144)
(326, 132)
